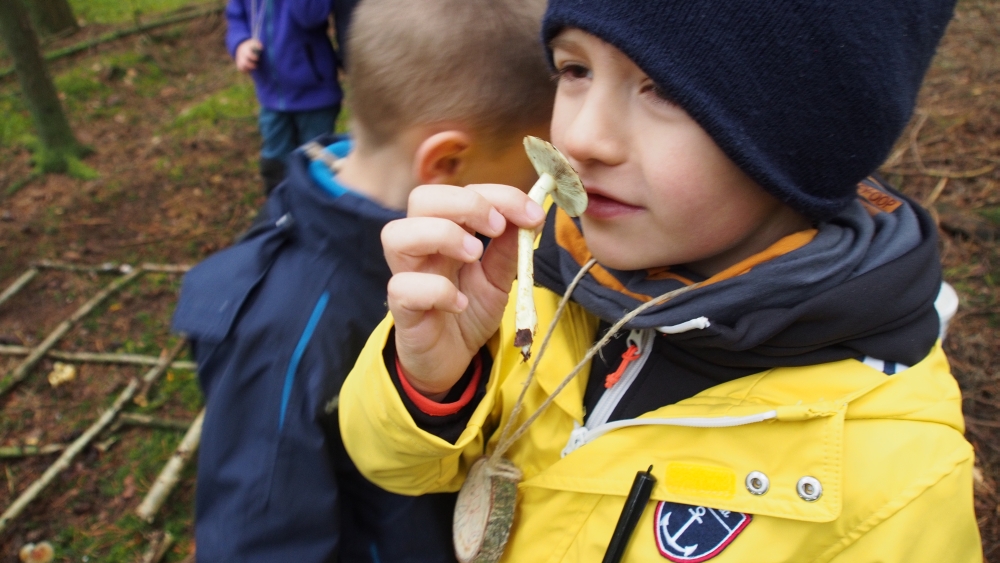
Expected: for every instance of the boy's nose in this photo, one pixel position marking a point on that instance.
(596, 132)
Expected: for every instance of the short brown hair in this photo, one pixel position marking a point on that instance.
(476, 62)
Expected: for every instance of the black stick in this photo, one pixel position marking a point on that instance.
(642, 488)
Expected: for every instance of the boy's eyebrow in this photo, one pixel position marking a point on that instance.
(560, 42)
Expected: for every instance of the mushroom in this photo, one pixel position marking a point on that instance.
(558, 179)
(40, 553)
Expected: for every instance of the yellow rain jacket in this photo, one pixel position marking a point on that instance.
(887, 454)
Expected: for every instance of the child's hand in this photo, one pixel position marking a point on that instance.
(247, 55)
(445, 301)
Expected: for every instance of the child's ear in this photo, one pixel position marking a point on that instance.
(440, 157)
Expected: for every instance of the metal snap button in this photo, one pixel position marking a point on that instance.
(809, 489)
(757, 483)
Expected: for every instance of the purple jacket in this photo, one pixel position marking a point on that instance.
(298, 67)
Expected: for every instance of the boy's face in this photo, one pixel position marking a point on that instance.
(661, 191)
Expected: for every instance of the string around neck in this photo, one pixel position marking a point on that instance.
(506, 439)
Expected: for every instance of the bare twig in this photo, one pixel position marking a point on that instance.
(26, 451)
(136, 419)
(158, 548)
(94, 357)
(914, 133)
(142, 399)
(171, 473)
(21, 371)
(946, 173)
(895, 156)
(936, 192)
(18, 284)
(67, 456)
(167, 268)
(108, 267)
(983, 400)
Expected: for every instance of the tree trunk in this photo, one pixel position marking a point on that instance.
(51, 16)
(57, 140)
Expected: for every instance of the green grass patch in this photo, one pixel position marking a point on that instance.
(236, 103)
(181, 385)
(15, 127)
(991, 214)
(122, 11)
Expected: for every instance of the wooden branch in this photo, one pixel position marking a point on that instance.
(136, 419)
(167, 268)
(7, 452)
(946, 173)
(95, 357)
(18, 284)
(158, 549)
(935, 193)
(113, 35)
(21, 371)
(108, 267)
(914, 133)
(142, 399)
(66, 458)
(171, 473)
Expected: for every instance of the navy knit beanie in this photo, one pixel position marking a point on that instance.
(805, 96)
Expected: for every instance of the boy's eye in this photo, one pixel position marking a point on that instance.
(659, 93)
(572, 72)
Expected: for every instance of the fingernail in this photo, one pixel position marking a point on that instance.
(497, 221)
(472, 246)
(534, 211)
(461, 302)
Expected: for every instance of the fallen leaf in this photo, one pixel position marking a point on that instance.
(129, 490)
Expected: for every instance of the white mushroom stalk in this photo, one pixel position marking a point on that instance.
(557, 179)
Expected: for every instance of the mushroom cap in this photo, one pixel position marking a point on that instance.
(569, 193)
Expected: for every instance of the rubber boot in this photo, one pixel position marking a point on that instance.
(272, 171)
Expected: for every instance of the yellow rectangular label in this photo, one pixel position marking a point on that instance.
(700, 480)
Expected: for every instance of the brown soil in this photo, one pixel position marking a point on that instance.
(172, 199)
(162, 196)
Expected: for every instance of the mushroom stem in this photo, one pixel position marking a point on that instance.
(525, 318)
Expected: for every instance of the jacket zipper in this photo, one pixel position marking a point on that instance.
(597, 423)
(640, 344)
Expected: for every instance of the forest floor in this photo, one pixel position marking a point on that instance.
(173, 178)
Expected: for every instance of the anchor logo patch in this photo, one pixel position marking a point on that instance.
(690, 534)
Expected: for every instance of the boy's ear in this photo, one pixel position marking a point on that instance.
(439, 157)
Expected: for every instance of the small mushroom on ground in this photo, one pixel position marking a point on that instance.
(558, 179)
(61, 373)
(37, 553)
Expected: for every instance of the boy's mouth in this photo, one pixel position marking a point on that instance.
(601, 206)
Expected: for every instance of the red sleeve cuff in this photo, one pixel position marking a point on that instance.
(433, 408)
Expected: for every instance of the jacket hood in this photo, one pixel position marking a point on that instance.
(864, 285)
(349, 222)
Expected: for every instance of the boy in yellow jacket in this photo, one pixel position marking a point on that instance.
(796, 406)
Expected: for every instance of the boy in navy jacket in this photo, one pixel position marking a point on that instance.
(443, 92)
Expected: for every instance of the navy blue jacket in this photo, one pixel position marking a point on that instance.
(297, 70)
(276, 323)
